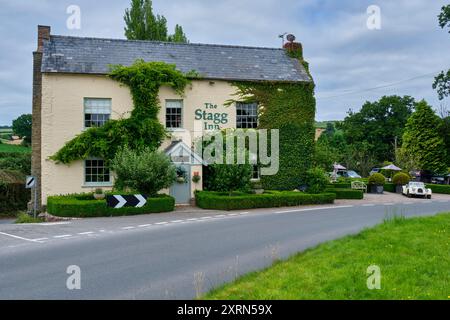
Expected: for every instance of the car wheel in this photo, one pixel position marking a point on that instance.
(408, 194)
(428, 197)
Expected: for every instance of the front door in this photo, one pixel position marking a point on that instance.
(182, 191)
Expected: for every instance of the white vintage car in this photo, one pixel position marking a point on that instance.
(416, 189)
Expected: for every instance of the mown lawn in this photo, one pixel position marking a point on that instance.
(413, 256)
(13, 148)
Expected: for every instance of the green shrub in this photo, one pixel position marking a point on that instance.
(227, 177)
(389, 187)
(316, 180)
(13, 194)
(439, 188)
(26, 218)
(401, 179)
(339, 185)
(270, 199)
(144, 171)
(84, 205)
(16, 161)
(346, 193)
(377, 179)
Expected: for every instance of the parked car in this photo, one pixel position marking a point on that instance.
(348, 174)
(374, 170)
(438, 180)
(414, 188)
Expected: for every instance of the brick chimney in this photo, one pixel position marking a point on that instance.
(43, 34)
(293, 49)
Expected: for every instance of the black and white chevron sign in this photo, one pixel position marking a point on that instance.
(118, 201)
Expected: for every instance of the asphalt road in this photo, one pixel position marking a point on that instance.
(171, 256)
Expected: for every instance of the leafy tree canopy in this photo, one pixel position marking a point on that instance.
(378, 124)
(442, 80)
(22, 127)
(422, 140)
(142, 24)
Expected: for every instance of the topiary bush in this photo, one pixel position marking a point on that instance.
(377, 179)
(316, 180)
(401, 179)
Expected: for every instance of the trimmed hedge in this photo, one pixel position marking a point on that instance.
(439, 188)
(84, 205)
(346, 193)
(389, 187)
(270, 199)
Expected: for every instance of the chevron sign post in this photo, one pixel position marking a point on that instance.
(118, 201)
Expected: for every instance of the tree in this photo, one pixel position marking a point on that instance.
(142, 24)
(422, 139)
(143, 170)
(442, 81)
(444, 130)
(22, 127)
(178, 36)
(380, 124)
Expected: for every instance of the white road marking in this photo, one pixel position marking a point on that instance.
(102, 230)
(314, 209)
(389, 204)
(51, 223)
(40, 239)
(206, 218)
(85, 233)
(242, 213)
(144, 225)
(17, 237)
(176, 221)
(62, 236)
(232, 214)
(161, 223)
(127, 228)
(220, 216)
(368, 205)
(193, 219)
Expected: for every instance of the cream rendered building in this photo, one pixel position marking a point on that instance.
(71, 92)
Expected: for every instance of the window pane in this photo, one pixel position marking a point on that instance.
(246, 115)
(95, 171)
(174, 113)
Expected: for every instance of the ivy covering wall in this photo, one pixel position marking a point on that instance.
(291, 108)
(142, 128)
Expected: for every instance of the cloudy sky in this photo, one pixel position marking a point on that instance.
(350, 63)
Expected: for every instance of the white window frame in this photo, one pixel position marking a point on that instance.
(181, 128)
(257, 115)
(96, 184)
(101, 110)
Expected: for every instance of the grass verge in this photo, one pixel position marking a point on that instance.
(26, 218)
(413, 256)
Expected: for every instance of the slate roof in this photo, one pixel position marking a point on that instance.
(222, 62)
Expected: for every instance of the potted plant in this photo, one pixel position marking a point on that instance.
(99, 194)
(400, 179)
(181, 175)
(196, 177)
(376, 182)
(257, 187)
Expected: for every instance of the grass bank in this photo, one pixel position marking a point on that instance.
(412, 254)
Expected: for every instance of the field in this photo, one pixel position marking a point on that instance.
(412, 254)
(13, 148)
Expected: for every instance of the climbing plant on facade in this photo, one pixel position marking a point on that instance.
(289, 107)
(142, 129)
